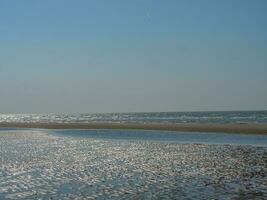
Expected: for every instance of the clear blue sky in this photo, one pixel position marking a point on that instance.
(138, 55)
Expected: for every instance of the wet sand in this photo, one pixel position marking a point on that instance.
(38, 165)
(218, 128)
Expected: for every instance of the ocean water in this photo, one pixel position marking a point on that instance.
(156, 117)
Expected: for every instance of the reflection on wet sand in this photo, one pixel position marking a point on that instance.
(38, 165)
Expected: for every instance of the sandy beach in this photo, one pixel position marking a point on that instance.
(218, 128)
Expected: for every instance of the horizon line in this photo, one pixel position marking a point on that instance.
(132, 112)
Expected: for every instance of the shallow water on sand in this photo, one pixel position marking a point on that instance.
(168, 136)
(39, 164)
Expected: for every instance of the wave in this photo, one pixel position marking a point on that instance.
(171, 117)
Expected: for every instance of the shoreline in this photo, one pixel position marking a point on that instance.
(193, 127)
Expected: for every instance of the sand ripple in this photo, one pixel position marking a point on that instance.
(35, 165)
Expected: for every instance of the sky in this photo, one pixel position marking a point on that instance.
(94, 56)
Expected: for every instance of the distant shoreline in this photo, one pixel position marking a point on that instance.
(189, 127)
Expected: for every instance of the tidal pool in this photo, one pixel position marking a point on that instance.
(68, 164)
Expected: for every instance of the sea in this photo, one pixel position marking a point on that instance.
(216, 117)
(132, 164)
